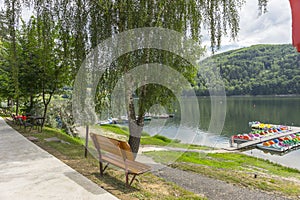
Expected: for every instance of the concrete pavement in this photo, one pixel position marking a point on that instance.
(28, 172)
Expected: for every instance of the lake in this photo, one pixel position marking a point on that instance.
(239, 112)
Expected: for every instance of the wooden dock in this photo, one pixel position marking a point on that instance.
(292, 130)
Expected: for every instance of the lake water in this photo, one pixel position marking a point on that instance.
(239, 112)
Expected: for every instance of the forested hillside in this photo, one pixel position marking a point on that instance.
(257, 70)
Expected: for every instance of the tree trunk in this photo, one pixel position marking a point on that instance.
(31, 103)
(135, 129)
(134, 143)
(46, 103)
(45, 114)
(136, 125)
(136, 122)
(17, 106)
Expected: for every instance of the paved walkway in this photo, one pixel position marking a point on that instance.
(28, 172)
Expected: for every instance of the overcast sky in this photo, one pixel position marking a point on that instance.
(273, 27)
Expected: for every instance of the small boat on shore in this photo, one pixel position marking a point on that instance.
(281, 144)
(268, 137)
(159, 116)
(256, 125)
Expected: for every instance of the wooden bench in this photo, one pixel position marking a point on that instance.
(24, 123)
(37, 121)
(117, 153)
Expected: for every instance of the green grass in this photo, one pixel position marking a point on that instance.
(62, 135)
(159, 140)
(235, 168)
(115, 129)
(232, 161)
(121, 130)
(73, 145)
(146, 139)
(156, 140)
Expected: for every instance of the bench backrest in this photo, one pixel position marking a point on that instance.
(113, 146)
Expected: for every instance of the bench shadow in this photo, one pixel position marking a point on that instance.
(115, 183)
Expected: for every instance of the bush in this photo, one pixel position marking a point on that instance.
(163, 138)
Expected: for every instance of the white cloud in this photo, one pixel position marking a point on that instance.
(273, 27)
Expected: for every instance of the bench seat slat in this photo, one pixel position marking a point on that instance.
(133, 167)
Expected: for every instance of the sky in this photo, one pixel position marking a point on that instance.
(273, 27)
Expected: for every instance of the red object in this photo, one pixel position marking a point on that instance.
(23, 117)
(295, 6)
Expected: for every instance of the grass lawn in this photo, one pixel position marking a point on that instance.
(156, 140)
(236, 168)
(147, 186)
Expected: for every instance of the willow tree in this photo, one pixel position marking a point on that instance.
(13, 10)
(219, 18)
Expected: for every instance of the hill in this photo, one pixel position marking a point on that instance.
(256, 70)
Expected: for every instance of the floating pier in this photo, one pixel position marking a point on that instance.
(250, 143)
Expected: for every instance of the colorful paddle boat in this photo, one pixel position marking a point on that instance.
(281, 144)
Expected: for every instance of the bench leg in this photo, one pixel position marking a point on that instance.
(126, 174)
(101, 167)
(105, 167)
(127, 179)
(132, 179)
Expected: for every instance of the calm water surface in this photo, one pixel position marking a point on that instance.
(239, 112)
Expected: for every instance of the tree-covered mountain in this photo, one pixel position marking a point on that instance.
(256, 70)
